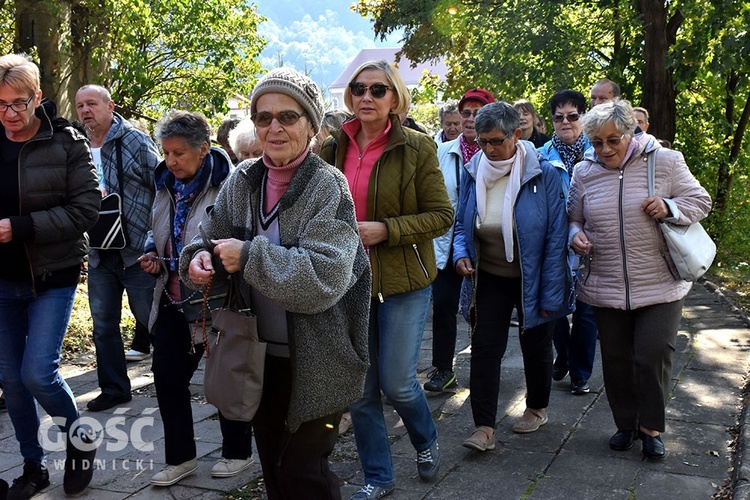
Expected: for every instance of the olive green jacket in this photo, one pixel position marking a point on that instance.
(407, 193)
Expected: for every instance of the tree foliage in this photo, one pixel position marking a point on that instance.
(687, 61)
(152, 55)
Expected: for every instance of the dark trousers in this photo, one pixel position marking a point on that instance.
(141, 338)
(295, 465)
(495, 299)
(576, 346)
(173, 365)
(637, 348)
(174, 362)
(446, 290)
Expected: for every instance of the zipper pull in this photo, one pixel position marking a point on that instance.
(534, 188)
(620, 174)
(218, 337)
(380, 297)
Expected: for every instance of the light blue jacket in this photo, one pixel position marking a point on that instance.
(541, 228)
(553, 156)
(451, 163)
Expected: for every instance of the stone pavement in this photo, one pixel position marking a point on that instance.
(567, 458)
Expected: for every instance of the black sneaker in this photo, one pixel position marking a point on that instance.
(79, 462)
(440, 380)
(579, 387)
(34, 479)
(428, 462)
(559, 369)
(105, 401)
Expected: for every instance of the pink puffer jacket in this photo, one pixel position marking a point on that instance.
(630, 265)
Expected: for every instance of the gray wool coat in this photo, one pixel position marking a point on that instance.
(319, 274)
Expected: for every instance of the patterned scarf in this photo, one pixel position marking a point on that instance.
(468, 149)
(185, 192)
(569, 152)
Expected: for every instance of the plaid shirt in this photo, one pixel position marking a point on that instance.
(139, 160)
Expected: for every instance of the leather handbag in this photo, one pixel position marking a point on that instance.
(108, 232)
(690, 247)
(235, 360)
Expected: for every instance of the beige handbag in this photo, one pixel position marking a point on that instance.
(235, 361)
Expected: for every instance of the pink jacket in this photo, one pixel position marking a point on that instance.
(630, 265)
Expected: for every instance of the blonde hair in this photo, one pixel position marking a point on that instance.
(403, 97)
(17, 71)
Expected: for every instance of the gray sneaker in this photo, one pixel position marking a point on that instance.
(369, 492)
(428, 462)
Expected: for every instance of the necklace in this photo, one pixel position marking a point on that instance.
(178, 302)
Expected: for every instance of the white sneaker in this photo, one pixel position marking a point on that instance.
(133, 355)
(228, 467)
(170, 474)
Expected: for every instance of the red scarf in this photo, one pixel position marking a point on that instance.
(468, 149)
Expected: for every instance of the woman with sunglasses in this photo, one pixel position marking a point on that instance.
(401, 205)
(285, 224)
(633, 286)
(576, 345)
(511, 248)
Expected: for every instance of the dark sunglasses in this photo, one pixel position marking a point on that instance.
(572, 117)
(286, 118)
(377, 90)
(612, 142)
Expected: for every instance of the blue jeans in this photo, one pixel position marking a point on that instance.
(107, 281)
(577, 345)
(32, 328)
(396, 327)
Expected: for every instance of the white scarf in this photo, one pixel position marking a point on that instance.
(488, 173)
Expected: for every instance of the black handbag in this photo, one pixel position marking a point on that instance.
(109, 231)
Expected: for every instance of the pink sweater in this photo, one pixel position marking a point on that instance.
(358, 164)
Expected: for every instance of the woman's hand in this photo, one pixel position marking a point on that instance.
(6, 231)
(655, 207)
(464, 267)
(201, 268)
(372, 233)
(150, 263)
(581, 244)
(229, 250)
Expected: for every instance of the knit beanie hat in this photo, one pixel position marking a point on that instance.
(297, 86)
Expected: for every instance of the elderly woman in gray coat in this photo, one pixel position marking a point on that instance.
(631, 281)
(285, 224)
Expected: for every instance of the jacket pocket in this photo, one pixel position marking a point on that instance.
(419, 259)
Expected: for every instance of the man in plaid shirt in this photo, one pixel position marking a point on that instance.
(113, 271)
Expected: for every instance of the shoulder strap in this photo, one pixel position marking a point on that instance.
(651, 167)
(120, 185)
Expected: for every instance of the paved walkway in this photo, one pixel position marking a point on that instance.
(567, 458)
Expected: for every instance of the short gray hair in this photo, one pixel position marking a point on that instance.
(618, 111)
(450, 107)
(498, 115)
(192, 127)
(243, 133)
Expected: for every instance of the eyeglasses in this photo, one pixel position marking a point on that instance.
(18, 107)
(467, 113)
(572, 117)
(495, 143)
(377, 90)
(286, 118)
(612, 142)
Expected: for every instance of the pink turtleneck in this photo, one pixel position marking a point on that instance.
(279, 179)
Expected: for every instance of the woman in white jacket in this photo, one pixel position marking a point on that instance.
(631, 280)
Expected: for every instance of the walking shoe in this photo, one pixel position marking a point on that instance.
(170, 474)
(228, 467)
(370, 492)
(653, 446)
(559, 369)
(579, 387)
(106, 401)
(133, 355)
(34, 479)
(428, 462)
(530, 421)
(79, 462)
(440, 380)
(482, 439)
(623, 440)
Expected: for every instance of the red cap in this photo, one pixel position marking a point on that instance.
(481, 95)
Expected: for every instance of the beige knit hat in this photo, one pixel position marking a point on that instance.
(297, 86)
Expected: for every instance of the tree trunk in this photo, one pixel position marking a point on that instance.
(658, 85)
(43, 27)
